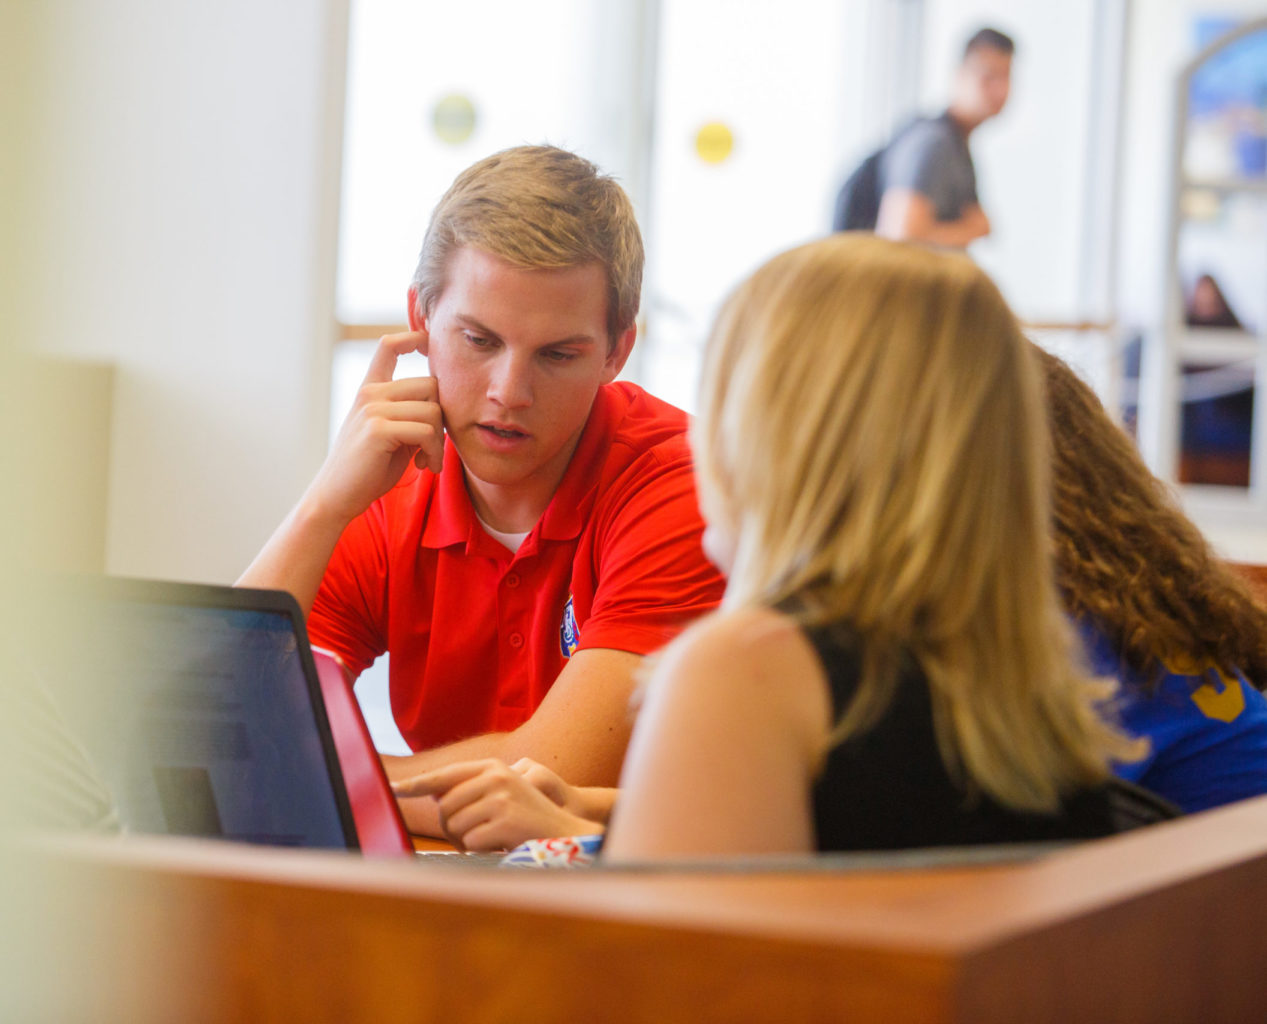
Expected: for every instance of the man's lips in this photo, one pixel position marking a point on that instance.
(503, 430)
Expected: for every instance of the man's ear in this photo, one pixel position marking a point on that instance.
(618, 354)
(417, 321)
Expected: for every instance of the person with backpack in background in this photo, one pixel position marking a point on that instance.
(922, 186)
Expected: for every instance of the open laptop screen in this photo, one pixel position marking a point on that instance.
(200, 708)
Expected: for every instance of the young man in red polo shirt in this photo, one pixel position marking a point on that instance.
(516, 529)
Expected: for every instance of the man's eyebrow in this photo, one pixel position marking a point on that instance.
(575, 339)
(475, 325)
(487, 332)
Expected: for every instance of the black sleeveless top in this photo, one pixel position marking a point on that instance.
(888, 789)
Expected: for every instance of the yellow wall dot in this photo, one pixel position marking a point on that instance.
(714, 142)
(453, 118)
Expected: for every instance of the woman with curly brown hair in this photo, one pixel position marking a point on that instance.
(1157, 609)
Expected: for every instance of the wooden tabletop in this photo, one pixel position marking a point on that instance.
(1169, 923)
(425, 844)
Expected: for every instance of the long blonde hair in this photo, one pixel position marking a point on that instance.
(871, 439)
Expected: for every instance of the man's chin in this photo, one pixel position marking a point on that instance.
(492, 467)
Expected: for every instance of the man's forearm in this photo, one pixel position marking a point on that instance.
(907, 215)
(405, 766)
(955, 233)
(508, 747)
(296, 556)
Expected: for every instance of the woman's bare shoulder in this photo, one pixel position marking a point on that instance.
(752, 652)
(762, 633)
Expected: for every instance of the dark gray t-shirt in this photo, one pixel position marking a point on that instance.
(931, 157)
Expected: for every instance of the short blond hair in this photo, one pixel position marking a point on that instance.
(538, 207)
(871, 437)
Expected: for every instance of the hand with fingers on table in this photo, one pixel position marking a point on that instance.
(490, 805)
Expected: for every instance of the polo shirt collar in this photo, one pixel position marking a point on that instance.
(451, 517)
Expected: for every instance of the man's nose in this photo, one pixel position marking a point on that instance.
(510, 382)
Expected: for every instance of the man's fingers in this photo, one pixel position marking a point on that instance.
(542, 779)
(400, 401)
(459, 822)
(489, 835)
(417, 785)
(486, 823)
(430, 457)
(438, 780)
(417, 426)
(405, 412)
(406, 389)
(489, 787)
(397, 436)
(390, 348)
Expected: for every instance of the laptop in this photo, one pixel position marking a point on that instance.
(206, 713)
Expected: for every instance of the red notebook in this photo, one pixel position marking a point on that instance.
(380, 829)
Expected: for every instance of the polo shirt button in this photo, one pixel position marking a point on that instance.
(512, 581)
(516, 640)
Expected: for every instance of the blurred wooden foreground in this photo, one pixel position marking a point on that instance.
(1165, 924)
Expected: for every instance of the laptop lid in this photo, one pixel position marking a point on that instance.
(379, 824)
(201, 709)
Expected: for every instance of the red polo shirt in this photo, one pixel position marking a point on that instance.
(478, 635)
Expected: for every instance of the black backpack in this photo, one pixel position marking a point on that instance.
(858, 202)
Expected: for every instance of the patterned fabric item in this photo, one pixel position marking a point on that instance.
(563, 852)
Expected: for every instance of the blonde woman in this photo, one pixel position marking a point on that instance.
(891, 666)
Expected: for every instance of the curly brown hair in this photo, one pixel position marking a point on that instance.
(1128, 559)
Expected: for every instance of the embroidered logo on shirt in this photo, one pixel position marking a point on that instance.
(569, 635)
(1222, 705)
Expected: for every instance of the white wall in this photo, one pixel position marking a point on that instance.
(180, 188)
(557, 71)
(170, 173)
(794, 81)
(1031, 160)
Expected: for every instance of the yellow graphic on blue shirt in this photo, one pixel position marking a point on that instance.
(1223, 705)
(569, 635)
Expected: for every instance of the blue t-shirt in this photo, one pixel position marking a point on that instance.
(1208, 731)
